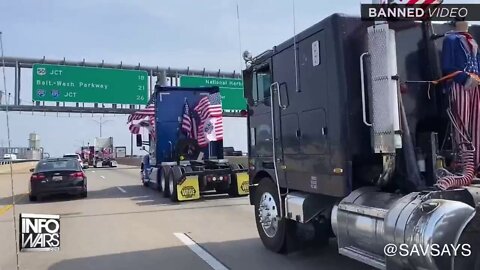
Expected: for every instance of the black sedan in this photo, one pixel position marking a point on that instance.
(57, 176)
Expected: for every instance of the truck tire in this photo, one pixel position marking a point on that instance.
(175, 174)
(142, 175)
(163, 187)
(273, 232)
(145, 183)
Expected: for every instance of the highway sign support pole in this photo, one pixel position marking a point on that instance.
(131, 144)
(16, 98)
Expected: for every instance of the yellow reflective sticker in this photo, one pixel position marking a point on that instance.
(242, 183)
(189, 189)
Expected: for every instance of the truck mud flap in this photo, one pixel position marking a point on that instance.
(242, 183)
(241, 178)
(188, 190)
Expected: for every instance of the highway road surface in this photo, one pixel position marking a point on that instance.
(123, 225)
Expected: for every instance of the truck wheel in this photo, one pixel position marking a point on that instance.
(175, 174)
(271, 228)
(172, 188)
(163, 181)
(145, 183)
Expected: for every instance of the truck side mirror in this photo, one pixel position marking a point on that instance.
(139, 140)
(248, 86)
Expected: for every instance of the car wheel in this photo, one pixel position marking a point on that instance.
(32, 198)
(84, 193)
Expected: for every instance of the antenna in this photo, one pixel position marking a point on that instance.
(239, 38)
(295, 48)
(9, 146)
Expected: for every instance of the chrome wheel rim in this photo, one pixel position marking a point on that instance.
(268, 214)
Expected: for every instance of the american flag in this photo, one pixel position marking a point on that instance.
(149, 110)
(209, 110)
(149, 123)
(209, 106)
(188, 122)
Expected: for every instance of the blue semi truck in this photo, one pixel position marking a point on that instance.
(175, 164)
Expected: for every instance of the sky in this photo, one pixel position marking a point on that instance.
(180, 34)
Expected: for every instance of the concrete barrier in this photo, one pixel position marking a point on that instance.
(23, 167)
(131, 161)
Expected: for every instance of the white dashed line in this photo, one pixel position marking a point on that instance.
(122, 190)
(202, 253)
(103, 177)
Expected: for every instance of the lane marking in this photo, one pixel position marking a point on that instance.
(103, 177)
(202, 253)
(92, 171)
(122, 190)
(5, 209)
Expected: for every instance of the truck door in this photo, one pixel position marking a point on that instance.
(265, 135)
(285, 117)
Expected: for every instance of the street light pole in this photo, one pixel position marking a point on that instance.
(100, 123)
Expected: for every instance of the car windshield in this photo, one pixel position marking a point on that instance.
(57, 165)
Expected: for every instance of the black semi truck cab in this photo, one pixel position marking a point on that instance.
(337, 139)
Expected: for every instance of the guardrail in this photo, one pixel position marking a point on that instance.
(6, 161)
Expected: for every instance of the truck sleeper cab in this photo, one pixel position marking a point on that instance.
(336, 138)
(176, 165)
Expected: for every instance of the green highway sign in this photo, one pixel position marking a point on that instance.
(87, 84)
(230, 89)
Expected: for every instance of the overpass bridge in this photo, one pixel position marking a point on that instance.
(164, 76)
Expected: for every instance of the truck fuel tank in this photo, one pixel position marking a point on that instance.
(421, 230)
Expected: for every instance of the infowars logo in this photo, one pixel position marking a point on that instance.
(39, 232)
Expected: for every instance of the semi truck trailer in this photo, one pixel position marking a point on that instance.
(348, 138)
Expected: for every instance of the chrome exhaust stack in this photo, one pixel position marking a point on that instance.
(389, 231)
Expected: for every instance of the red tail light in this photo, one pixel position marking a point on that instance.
(77, 175)
(37, 177)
